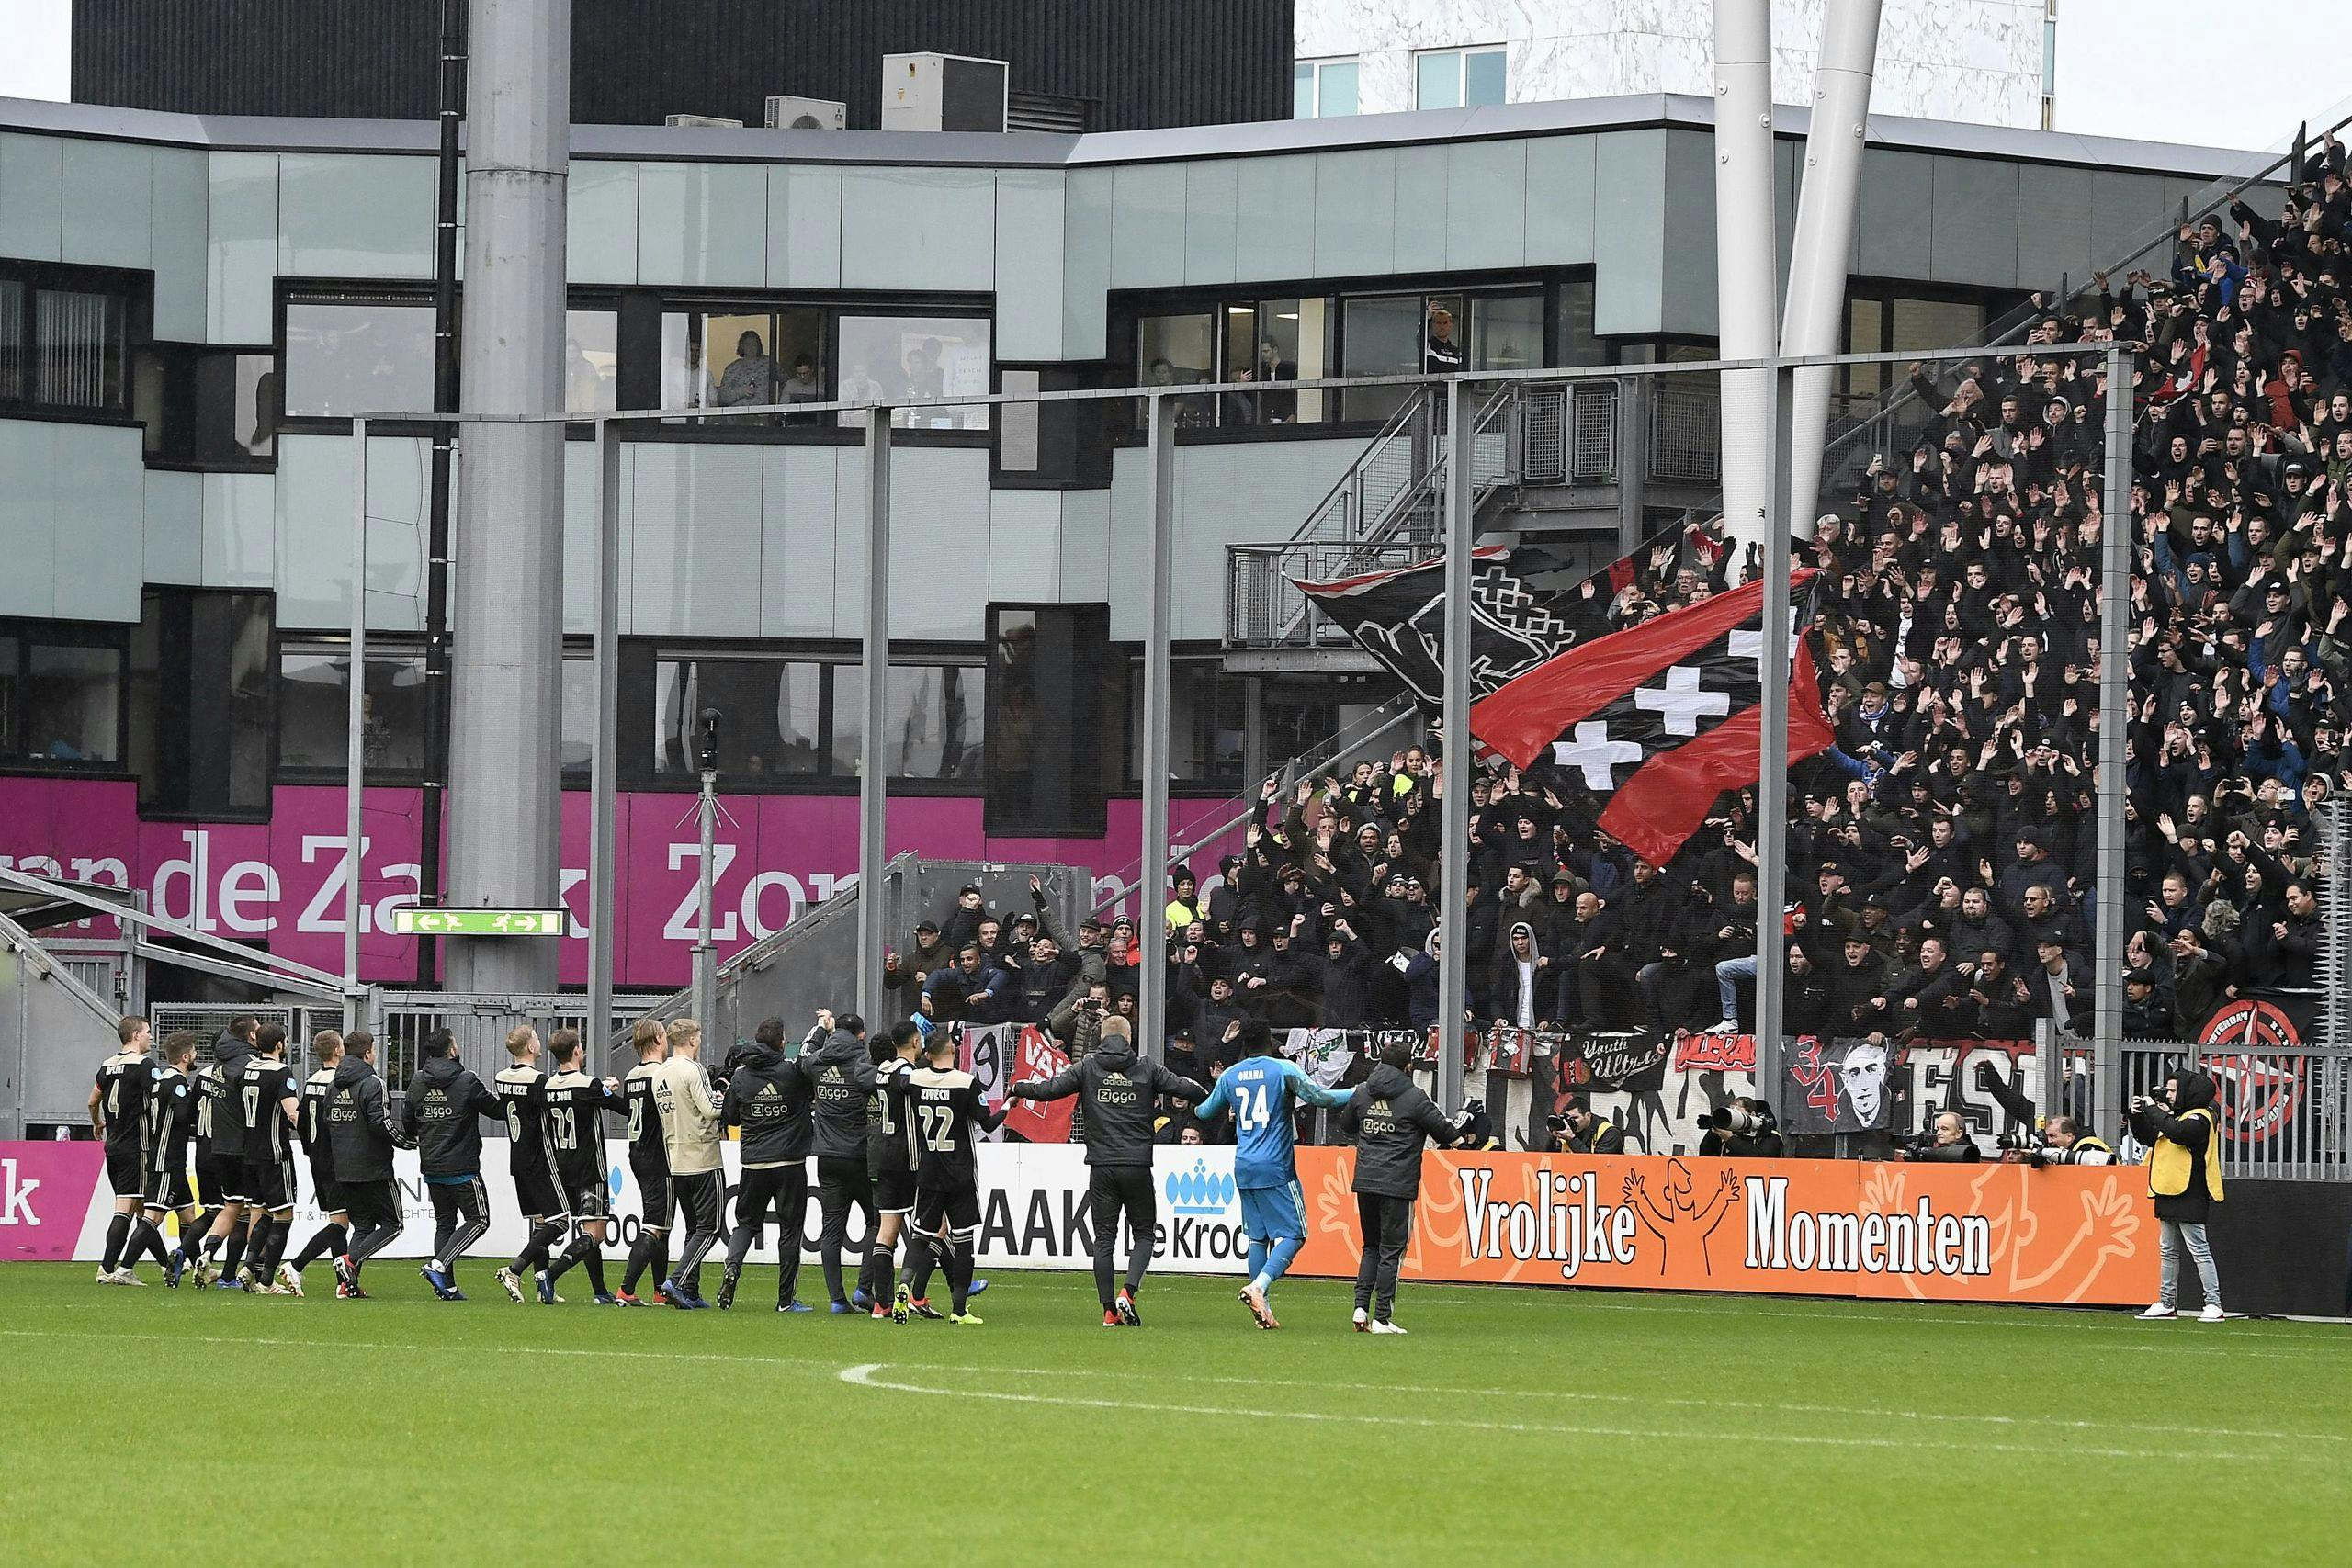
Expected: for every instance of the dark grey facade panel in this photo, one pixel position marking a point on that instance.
(1143, 63)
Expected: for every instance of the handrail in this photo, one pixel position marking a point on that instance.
(1406, 412)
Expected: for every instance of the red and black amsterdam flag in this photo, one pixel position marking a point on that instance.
(1664, 716)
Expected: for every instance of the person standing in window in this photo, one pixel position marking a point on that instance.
(1442, 355)
(750, 377)
(803, 386)
(583, 384)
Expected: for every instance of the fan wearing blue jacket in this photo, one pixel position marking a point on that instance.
(1263, 1090)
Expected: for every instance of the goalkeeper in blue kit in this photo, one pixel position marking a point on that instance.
(1262, 1090)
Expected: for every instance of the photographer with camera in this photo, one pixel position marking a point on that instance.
(1947, 1144)
(2060, 1140)
(2185, 1178)
(1579, 1130)
(1742, 1130)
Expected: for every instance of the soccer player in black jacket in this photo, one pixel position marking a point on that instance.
(359, 1126)
(221, 1157)
(522, 1091)
(1118, 1089)
(268, 1098)
(443, 1112)
(945, 1105)
(171, 1120)
(892, 1160)
(649, 1159)
(118, 1116)
(1389, 1119)
(334, 1238)
(840, 1077)
(576, 1104)
(768, 1099)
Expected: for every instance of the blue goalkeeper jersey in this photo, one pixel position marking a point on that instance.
(1261, 1091)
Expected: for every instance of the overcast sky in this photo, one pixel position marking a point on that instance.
(2162, 69)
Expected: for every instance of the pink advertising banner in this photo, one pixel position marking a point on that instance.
(281, 883)
(45, 1198)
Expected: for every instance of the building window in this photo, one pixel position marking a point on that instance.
(888, 357)
(202, 702)
(798, 720)
(64, 339)
(358, 353)
(578, 717)
(313, 702)
(1322, 88)
(1458, 78)
(1263, 341)
(741, 357)
(591, 361)
(207, 408)
(1204, 723)
(61, 694)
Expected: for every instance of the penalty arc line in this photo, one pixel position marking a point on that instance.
(864, 1376)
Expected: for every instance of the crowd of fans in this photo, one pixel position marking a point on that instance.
(1942, 853)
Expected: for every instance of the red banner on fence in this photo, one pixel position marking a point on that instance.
(2075, 1235)
(1036, 1055)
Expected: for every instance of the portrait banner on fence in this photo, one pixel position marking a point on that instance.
(2068, 1235)
(1837, 1086)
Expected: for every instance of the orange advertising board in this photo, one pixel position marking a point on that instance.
(2077, 1235)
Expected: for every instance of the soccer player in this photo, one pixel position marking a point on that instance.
(221, 1156)
(649, 1159)
(946, 1106)
(119, 1118)
(840, 1077)
(171, 1118)
(332, 1238)
(576, 1104)
(1389, 1119)
(690, 1133)
(359, 1125)
(769, 1098)
(442, 1115)
(270, 1101)
(1118, 1089)
(892, 1160)
(1262, 1089)
(522, 1091)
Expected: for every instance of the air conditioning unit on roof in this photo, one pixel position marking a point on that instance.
(786, 112)
(708, 121)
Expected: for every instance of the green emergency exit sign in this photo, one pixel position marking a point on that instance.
(411, 920)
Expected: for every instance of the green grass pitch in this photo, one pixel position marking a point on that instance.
(156, 1425)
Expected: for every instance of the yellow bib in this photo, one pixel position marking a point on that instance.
(2170, 1164)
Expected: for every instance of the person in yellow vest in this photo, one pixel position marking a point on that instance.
(2184, 1129)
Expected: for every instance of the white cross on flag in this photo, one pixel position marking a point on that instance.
(1664, 716)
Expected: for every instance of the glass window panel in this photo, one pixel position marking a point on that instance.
(1578, 342)
(1507, 331)
(1383, 338)
(72, 700)
(579, 718)
(800, 696)
(591, 360)
(10, 700)
(888, 357)
(78, 346)
(1933, 323)
(1204, 722)
(12, 338)
(769, 716)
(1287, 347)
(1865, 321)
(1178, 351)
(1302, 92)
(935, 721)
(314, 698)
(1483, 74)
(742, 359)
(348, 358)
(236, 411)
(1238, 363)
(1337, 89)
(1437, 81)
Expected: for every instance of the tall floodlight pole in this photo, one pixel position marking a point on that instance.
(1151, 877)
(1747, 253)
(872, 774)
(355, 761)
(506, 662)
(2114, 708)
(603, 917)
(1773, 766)
(1826, 215)
(1454, 916)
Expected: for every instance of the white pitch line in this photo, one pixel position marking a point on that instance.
(863, 1376)
(829, 1363)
